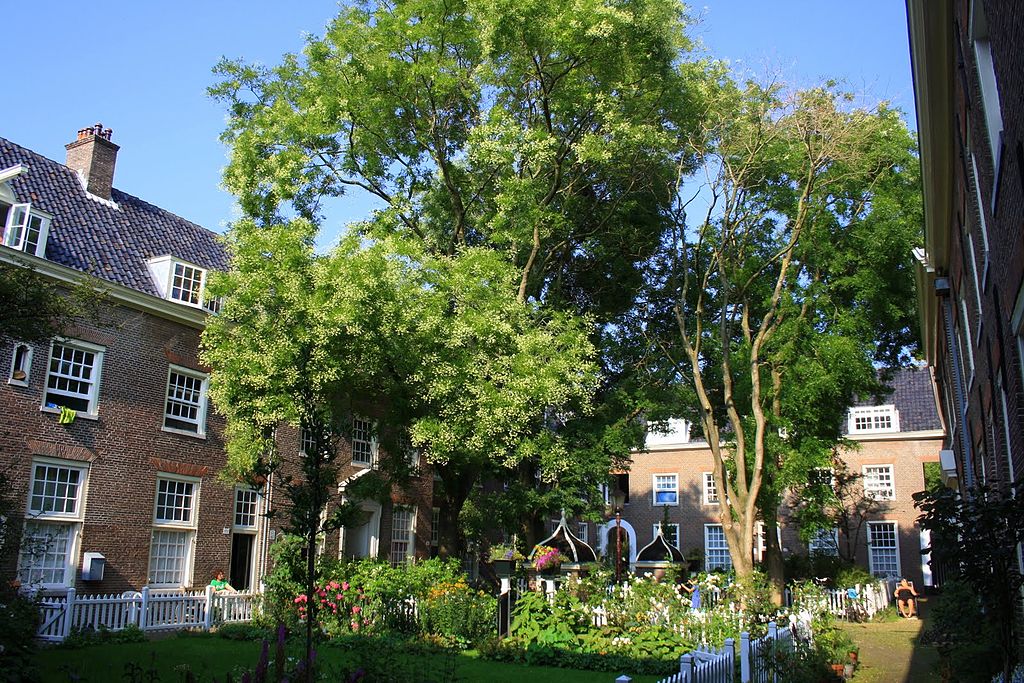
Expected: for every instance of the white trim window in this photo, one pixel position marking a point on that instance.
(306, 441)
(879, 483)
(987, 81)
(403, 535)
(710, 495)
(174, 530)
(716, 548)
(187, 284)
(666, 489)
(671, 533)
(364, 445)
(873, 419)
(73, 376)
(435, 527)
(185, 407)
(247, 506)
(410, 453)
(884, 549)
(53, 524)
(24, 229)
(583, 531)
(21, 365)
(824, 542)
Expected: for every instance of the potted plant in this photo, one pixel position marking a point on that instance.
(504, 556)
(547, 560)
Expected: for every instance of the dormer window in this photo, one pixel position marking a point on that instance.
(873, 420)
(183, 282)
(24, 229)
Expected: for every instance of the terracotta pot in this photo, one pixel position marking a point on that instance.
(838, 670)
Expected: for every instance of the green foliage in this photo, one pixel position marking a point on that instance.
(19, 618)
(84, 637)
(242, 631)
(36, 310)
(458, 615)
(933, 476)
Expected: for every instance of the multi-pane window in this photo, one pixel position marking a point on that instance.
(407, 450)
(666, 489)
(435, 527)
(55, 490)
(670, 531)
(174, 523)
(73, 375)
(403, 522)
(710, 489)
(363, 444)
(986, 69)
(48, 553)
(307, 441)
(716, 549)
(883, 549)
(878, 482)
(824, 542)
(873, 419)
(185, 409)
(24, 230)
(583, 532)
(187, 284)
(246, 508)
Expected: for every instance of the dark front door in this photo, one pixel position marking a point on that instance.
(241, 561)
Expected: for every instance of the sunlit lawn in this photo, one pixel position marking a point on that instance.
(211, 657)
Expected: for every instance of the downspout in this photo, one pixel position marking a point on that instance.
(943, 292)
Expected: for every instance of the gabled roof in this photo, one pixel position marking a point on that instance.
(92, 236)
(914, 398)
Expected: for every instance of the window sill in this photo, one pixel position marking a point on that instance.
(184, 432)
(666, 505)
(18, 382)
(78, 416)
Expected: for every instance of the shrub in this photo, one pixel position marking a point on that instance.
(82, 637)
(457, 614)
(243, 632)
(19, 619)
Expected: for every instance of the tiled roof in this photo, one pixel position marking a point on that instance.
(92, 236)
(914, 398)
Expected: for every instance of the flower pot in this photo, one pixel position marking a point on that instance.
(848, 671)
(504, 568)
(838, 670)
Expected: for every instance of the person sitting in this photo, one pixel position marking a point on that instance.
(906, 603)
(220, 584)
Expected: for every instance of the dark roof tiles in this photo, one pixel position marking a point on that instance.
(92, 236)
(913, 397)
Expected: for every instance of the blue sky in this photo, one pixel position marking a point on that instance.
(142, 69)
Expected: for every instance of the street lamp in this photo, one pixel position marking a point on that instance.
(617, 500)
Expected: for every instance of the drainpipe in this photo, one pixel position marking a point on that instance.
(943, 292)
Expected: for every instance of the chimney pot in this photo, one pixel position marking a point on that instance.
(93, 155)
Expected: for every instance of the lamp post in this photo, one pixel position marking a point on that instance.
(618, 499)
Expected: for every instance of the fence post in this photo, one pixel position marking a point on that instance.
(686, 668)
(730, 655)
(144, 608)
(208, 617)
(69, 611)
(745, 657)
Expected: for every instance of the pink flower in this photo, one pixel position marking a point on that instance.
(357, 609)
(355, 626)
(339, 597)
(344, 585)
(301, 598)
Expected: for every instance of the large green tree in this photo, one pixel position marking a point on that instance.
(532, 138)
(771, 308)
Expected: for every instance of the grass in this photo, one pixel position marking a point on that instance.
(890, 651)
(209, 657)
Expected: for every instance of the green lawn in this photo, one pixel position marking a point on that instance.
(209, 656)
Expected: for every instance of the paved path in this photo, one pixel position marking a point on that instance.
(890, 652)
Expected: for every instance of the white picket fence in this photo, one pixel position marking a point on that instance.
(149, 610)
(718, 665)
(872, 598)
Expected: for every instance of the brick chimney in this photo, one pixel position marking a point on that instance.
(93, 155)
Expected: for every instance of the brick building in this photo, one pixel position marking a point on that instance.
(895, 440)
(968, 70)
(108, 439)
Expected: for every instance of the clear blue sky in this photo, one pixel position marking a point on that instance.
(142, 67)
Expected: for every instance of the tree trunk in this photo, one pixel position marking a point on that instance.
(773, 562)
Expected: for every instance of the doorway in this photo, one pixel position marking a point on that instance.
(240, 575)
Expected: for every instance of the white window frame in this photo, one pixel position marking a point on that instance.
(372, 442)
(727, 564)
(657, 488)
(58, 520)
(824, 542)
(163, 268)
(983, 229)
(583, 531)
(197, 293)
(875, 416)
(671, 526)
(872, 547)
(30, 216)
(709, 494)
(435, 527)
(201, 405)
(877, 492)
(94, 382)
(25, 366)
(410, 453)
(186, 528)
(407, 554)
(245, 496)
(989, 88)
